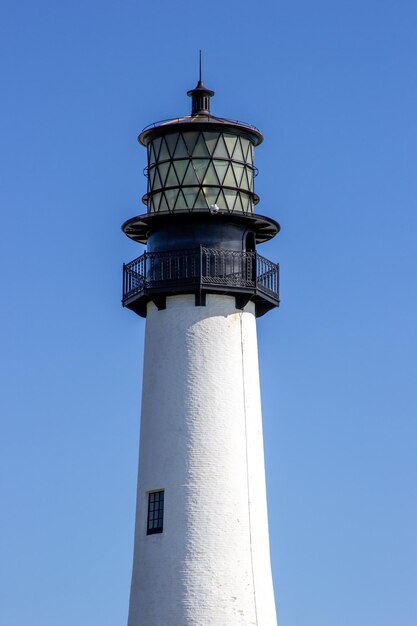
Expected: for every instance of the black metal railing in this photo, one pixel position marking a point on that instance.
(200, 267)
(228, 267)
(267, 275)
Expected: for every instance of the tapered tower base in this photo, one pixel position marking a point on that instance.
(201, 444)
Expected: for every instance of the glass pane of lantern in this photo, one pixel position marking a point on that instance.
(200, 167)
(157, 184)
(238, 170)
(171, 196)
(163, 153)
(211, 194)
(211, 176)
(200, 148)
(221, 202)
(249, 174)
(244, 200)
(220, 150)
(189, 195)
(180, 204)
(180, 167)
(200, 203)
(247, 205)
(163, 170)
(230, 195)
(171, 180)
(151, 154)
(245, 144)
(151, 176)
(156, 147)
(164, 204)
(171, 141)
(230, 143)
(211, 140)
(229, 179)
(190, 178)
(238, 154)
(181, 149)
(190, 140)
(249, 157)
(238, 205)
(156, 201)
(244, 180)
(220, 167)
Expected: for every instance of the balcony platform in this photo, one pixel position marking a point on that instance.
(156, 275)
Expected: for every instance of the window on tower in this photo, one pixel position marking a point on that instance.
(155, 512)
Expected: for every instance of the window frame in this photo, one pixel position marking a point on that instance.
(155, 513)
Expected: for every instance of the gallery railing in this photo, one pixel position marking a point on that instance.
(201, 267)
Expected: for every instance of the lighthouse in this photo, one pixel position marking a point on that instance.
(201, 549)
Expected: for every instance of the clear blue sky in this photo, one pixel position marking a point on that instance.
(333, 87)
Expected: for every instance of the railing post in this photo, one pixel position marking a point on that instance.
(278, 281)
(145, 254)
(256, 269)
(201, 266)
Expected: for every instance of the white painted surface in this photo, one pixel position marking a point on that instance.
(201, 441)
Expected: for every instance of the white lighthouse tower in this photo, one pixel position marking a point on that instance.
(201, 554)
